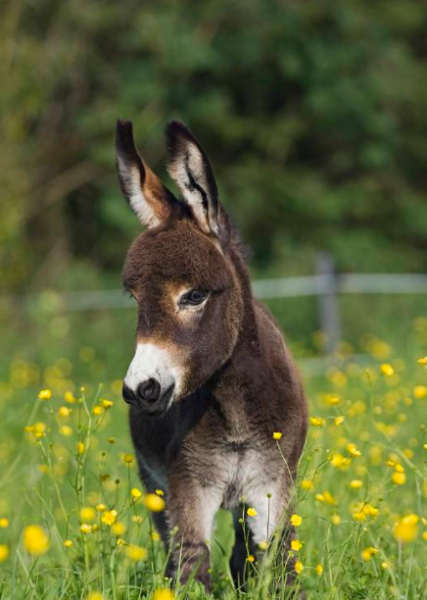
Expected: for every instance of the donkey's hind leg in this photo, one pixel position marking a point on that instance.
(243, 546)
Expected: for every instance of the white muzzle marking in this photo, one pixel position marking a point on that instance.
(151, 361)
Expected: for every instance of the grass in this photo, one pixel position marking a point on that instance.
(74, 522)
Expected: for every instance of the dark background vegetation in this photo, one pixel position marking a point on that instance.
(313, 112)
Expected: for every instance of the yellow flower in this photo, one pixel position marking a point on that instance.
(263, 545)
(336, 519)
(319, 569)
(277, 435)
(370, 510)
(87, 513)
(296, 545)
(4, 522)
(155, 536)
(332, 399)
(339, 461)
(368, 553)
(160, 492)
(95, 596)
(356, 484)
(64, 411)
(97, 410)
(250, 558)
(68, 543)
(66, 430)
(118, 528)
(45, 395)
(109, 517)
(398, 478)
(100, 507)
(40, 430)
(329, 499)
(422, 361)
(420, 392)
(36, 540)
(69, 397)
(299, 567)
(4, 552)
(317, 421)
(352, 449)
(306, 484)
(111, 440)
(385, 565)
(121, 542)
(338, 420)
(296, 520)
(406, 529)
(81, 448)
(135, 493)
(128, 458)
(136, 553)
(425, 535)
(163, 594)
(387, 369)
(252, 512)
(86, 528)
(106, 404)
(154, 502)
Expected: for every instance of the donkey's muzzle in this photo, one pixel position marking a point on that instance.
(148, 397)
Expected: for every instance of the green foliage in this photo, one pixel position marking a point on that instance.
(313, 113)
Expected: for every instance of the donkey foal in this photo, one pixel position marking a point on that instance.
(212, 378)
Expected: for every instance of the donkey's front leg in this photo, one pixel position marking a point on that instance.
(272, 502)
(191, 510)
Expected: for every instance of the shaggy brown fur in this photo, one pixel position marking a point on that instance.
(212, 378)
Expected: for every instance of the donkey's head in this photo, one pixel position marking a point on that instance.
(180, 271)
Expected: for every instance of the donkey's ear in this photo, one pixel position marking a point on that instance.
(149, 199)
(191, 170)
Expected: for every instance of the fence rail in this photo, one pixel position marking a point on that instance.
(326, 284)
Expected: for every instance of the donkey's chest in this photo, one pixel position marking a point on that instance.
(239, 474)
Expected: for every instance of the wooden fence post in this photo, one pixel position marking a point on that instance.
(328, 308)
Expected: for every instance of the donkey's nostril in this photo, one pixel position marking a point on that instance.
(149, 390)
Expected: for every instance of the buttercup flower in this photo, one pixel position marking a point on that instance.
(136, 553)
(296, 520)
(252, 512)
(368, 553)
(45, 394)
(4, 552)
(163, 594)
(109, 517)
(135, 493)
(36, 540)
(154, 503)
(277, 435)
(299, 567)
(406, 529)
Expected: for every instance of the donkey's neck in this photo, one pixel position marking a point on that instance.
(234, 386)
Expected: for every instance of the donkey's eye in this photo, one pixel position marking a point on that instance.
(193, 298)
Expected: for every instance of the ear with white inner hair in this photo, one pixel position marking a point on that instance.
(191, 170)
(149, 199)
